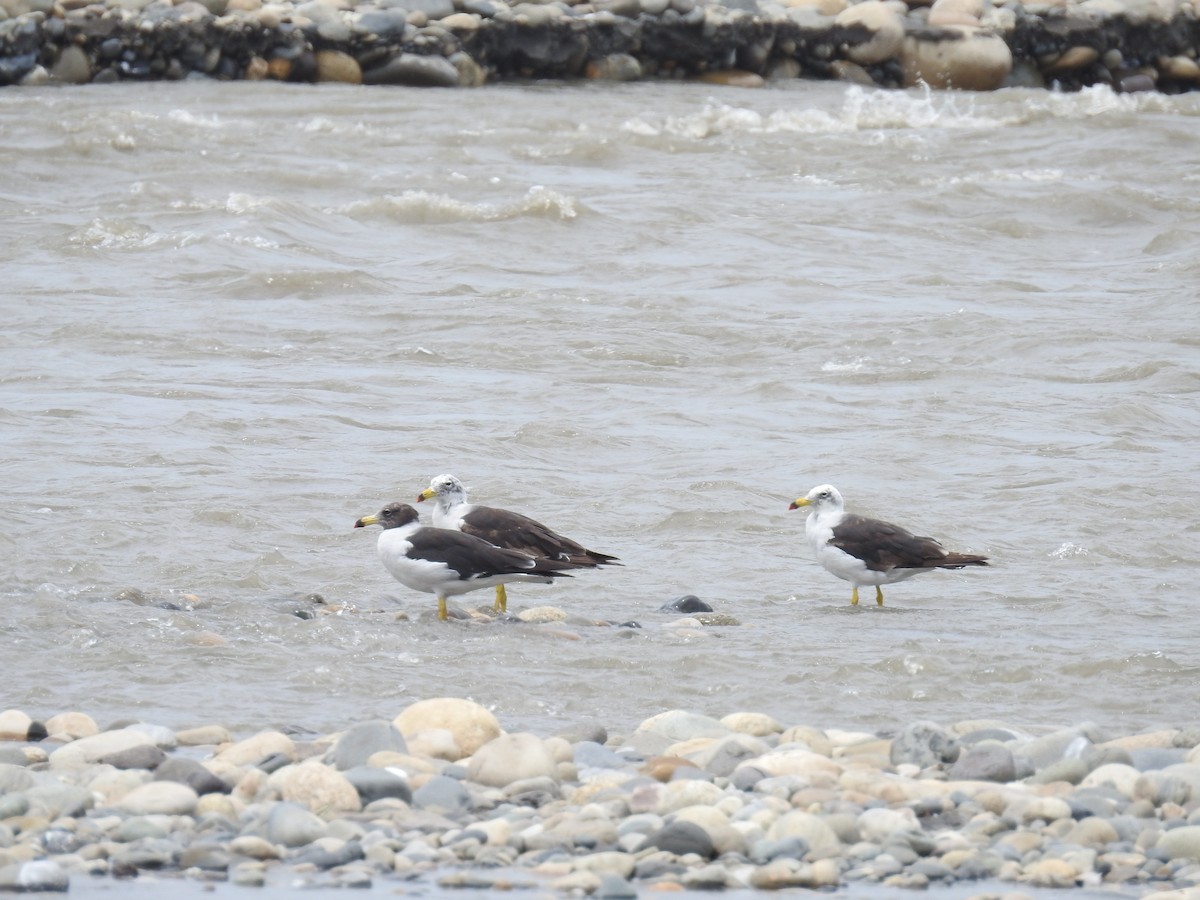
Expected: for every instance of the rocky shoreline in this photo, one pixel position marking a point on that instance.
(684, 801)
(1132, 45)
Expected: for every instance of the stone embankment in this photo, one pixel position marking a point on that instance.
(1132, 45)
(442, 794)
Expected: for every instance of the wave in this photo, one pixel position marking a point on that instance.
(425, 207)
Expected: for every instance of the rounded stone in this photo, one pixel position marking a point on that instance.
(1118, 776)
(680, 725)
(167, 798)
(987, 761)
(957, 56)
(877, 825)
(414, 70)
(318, 787)
(253, 750)
(75, 725)
(91, 749)
(812, 828)
(1180, 843)
(753, 724)
(924, 744)
(334, 65)
(470, 724)
(357, 744)
(14, 725)
(885, 25)
(291, 825)
(509, 758)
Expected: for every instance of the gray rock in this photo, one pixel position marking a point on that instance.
(36, 875)
(590, 755)
(14, 778)
(143, 756)
(680, 725)
(614, 887)
(1148, 759)
(207, 857)
(182, 770)
(10, 755)
(442, 794)
(1069, 743)
(722, 758)
(375, 784)
(763, 851)
(151, 853)
(681, 838)
(162, 736)
(688, 603)
(382, 22)
(577, 734)
(1095, 757)
(1071, 771)
(355, 747)
(57, 800)
(331, 858)
(433, 9)
(984, 762)
(1180, 843)
(924, 744)
(12, 805)
(1187, 738)
(292, 825)
(139, 828)
(414, 71)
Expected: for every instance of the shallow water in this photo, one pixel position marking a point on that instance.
(238, 317)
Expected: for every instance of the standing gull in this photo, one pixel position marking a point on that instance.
(503, 528)
(868, 551)
(448, 563)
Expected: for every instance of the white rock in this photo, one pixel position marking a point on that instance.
(471, 725)
(1116, 775)
(688, 792)
(877, 825)
(754, 724)
(89, 749)
(509, 758)
(318, 787)
(812, 828)
(254, 750)
(887, 27)
(166, 798)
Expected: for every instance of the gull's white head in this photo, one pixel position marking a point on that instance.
(822, 498)
(446, 489)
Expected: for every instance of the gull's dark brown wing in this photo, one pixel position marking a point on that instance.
(883, 546)
(517, 532)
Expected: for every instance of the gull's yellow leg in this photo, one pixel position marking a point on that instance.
(878, 595)
(854, 596)
(501, 599)
(442, 609)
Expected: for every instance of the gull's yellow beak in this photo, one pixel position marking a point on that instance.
(796, 504)
(427, 494)
(366, 520)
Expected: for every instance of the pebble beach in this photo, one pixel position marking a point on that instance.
(1130, 45)
(443, 795)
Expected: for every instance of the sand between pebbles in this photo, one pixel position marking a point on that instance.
(683, 802)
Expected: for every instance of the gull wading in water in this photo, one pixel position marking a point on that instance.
(449, 563)
(510, 530)
(868, 551)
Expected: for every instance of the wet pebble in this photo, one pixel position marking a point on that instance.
(743, 801)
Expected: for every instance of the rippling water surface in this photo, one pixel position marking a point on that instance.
(237, 317)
